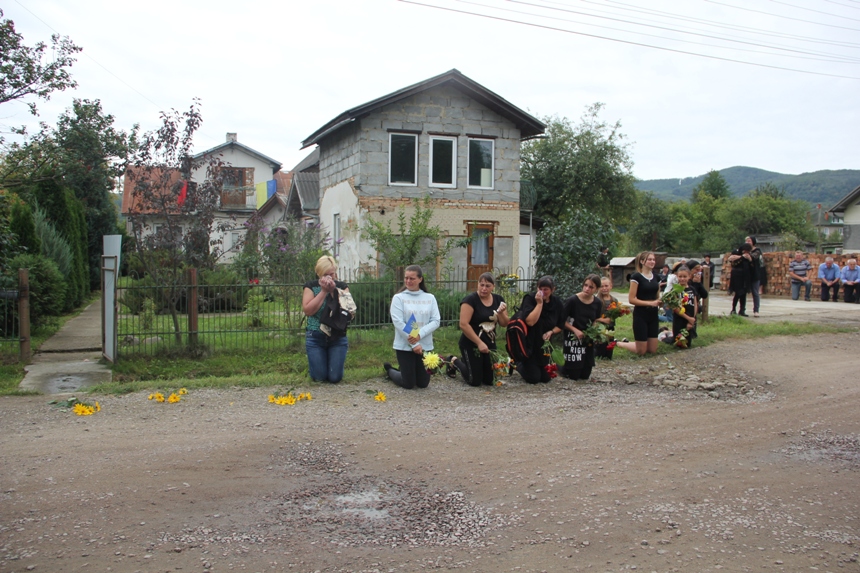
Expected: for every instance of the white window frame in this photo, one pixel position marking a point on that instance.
(335, 234)
(469, 163)
(235, 239)
(453, 183)
(414, 162)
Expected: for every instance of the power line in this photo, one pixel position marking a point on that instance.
(782, 16)
(640, 44)
(845, 59)
(816, 11)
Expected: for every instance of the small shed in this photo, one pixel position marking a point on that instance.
(622, 267)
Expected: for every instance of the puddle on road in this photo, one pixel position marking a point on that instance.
(66, 383)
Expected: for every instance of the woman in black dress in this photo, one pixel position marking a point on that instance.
(480, 313)
(542, 313)
(645, 298)
(740, 281)
(579, 312)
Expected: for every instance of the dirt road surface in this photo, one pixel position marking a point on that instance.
(748, 460)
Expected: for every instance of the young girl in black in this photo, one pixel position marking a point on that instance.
(687, 319)
(645, 298)
(579, 312)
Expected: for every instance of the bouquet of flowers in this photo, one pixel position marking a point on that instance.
(434, 363)
(502, 366)
(615, 311)
(552, 367)
(597, 333)
(685, 300)
(683, 339)
(672, 298)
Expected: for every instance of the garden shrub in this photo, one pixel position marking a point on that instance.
(373, 300)
(47, 286)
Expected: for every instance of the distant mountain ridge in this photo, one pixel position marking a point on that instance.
(825, 187)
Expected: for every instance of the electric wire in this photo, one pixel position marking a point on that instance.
(815, 11)
(781, 16)
(629, 42)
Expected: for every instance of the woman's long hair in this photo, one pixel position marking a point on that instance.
(641, 258)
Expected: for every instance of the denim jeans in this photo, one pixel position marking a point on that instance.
(326, 356)
(795, 289)
(756, 294)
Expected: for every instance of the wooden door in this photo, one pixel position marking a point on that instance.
(479, 253)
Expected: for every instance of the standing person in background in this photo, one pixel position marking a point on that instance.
(415, 315)
(696, 283)
(603, 261)
(605, 296)
(798, 270)
(851, 282)
(757, 274)
(644, 295)
(711, 268)
(480, 313)
(542, 313)
(829, 273)
(740, 280)
(326, 354)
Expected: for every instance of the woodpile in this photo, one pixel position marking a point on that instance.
(778, 281)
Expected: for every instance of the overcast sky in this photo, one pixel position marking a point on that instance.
(276, 71)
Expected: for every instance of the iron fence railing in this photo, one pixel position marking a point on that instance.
(265, 314)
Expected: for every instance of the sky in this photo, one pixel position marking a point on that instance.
(696, 84)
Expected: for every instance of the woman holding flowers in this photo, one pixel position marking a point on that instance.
(542, 313)
(480, 313)
(581, 311)
(326, 354)
(610, 305)
(645, 297)
(415, 315)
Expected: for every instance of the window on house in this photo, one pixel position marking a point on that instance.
(402, 159)
(481, 163)
(236, 240)
(237, 182)
(443, 161)
(335, 234)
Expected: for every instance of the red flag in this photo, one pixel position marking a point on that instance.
(183, 193)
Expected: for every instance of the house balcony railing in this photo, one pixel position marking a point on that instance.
(239, 198)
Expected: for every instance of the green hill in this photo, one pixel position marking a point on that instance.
(825, 187)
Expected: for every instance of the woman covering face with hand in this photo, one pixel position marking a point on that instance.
(326, 354)
(542, 313)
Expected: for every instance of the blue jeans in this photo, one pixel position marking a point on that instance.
(326, 356)
(795, 289)
(756, 288)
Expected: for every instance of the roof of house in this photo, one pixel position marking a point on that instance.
(853, 198)
(307, 187)
(528, 125)
(312, 159)
(276, 165)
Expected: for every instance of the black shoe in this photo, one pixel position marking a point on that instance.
(743, 314)
(387, 366)
(733, 311)
(451, 369)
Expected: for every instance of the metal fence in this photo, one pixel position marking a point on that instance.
(15, 319)
(218, 313)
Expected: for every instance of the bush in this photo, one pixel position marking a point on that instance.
(373, 300)
(47, 286)
(449, 304)
(222, 290)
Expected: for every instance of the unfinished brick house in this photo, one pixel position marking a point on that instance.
(447, 138)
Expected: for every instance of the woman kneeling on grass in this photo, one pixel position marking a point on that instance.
(326, 354)
(645, 298)
(415, 315)
(480, 313)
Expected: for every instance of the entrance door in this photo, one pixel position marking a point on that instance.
(480, 252)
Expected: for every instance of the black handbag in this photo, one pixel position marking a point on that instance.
(334, 316)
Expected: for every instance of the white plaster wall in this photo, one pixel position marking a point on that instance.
(236, 157)
(341, 199)
(852, 215)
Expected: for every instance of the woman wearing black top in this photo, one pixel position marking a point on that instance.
(542, 312)
(645, 298)
(480, 313)
(579, 312)
(740, 281)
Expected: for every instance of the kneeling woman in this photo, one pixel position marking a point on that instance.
(480, 313)
(326, 354)
(542, 313)
(415, 315)
(579, 312)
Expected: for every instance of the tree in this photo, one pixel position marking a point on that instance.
(163, 194)
(650, 226)
(567, 249)
(583, 166)
(714, 186)
(24, 70)
(414, 242)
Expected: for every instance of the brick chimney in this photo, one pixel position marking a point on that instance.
(232, 137)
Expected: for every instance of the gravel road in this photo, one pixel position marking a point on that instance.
(735, 457)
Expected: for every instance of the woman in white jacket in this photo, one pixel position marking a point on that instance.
(415, 315)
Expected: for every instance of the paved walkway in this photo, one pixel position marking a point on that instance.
(71, 359)
(775, 309)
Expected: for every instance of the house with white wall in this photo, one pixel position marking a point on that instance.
(848, 210)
